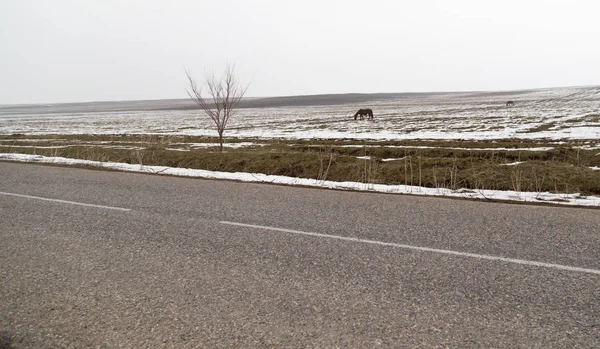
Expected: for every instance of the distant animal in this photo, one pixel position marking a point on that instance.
(364, 112)
(510, 104)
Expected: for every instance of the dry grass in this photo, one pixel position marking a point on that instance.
(565, 168)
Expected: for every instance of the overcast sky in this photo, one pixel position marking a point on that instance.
(91, 50)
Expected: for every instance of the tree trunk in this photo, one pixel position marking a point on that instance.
(221, 142)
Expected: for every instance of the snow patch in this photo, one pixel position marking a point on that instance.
(573, 199)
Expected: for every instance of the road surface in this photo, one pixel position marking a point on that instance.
(105, 259)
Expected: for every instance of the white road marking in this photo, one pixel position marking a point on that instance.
(422, 249)
(65, 201)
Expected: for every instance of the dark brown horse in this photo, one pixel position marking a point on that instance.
(364, 112)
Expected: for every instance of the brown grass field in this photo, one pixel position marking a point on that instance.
(559, 167)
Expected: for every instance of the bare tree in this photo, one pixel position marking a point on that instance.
(223, 97)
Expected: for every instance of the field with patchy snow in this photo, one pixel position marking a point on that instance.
(571, 113)
(561, 127)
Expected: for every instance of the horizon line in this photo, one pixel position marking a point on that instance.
(295, 96)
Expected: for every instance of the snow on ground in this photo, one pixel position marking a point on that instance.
(573, 199)
(450, 148)
(552, 114)
(513, 163)
(572, 113)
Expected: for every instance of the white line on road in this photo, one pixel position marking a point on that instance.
(65, 201)
(422, 249)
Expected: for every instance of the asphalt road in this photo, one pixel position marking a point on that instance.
(154, 261)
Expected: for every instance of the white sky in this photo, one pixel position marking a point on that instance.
(86, 50)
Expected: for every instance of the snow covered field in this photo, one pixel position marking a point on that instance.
(551, 114)
(572, 113)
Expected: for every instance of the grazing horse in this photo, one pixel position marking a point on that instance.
(510, 104)
(363, 112)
